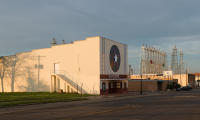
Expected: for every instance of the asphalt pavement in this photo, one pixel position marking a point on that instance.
(169, 105)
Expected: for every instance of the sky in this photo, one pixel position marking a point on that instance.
(31, 24)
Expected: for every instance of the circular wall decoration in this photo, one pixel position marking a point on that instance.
(114, 58)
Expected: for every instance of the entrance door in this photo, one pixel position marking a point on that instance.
(159, 84)
(56, 68)
(104, 87)
(117, 86)
(124, 85)
(109, 88)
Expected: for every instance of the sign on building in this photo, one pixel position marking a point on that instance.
(167, 73)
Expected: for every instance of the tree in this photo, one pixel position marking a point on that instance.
(12, 63)
(3, 67)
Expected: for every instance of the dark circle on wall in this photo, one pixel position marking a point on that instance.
(114, 58)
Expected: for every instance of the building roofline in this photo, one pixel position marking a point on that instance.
(75, 41)
(112, 40)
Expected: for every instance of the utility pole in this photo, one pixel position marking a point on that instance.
(141, 76)
(198, 79)
(141, 84)
(187, 76)
(38, 66)
(181, 65)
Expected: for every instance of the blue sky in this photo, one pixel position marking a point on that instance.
(31, 24)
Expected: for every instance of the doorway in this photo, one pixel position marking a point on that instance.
(109, 88)
(56, 68)
(159, 84)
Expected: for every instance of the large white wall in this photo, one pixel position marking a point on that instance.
(79, 61)
(182, 79)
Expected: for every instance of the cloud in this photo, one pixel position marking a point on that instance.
(25, 25)
(182, 38)
(189, 44)
(134, 51)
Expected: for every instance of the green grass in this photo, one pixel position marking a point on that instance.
(25, 98)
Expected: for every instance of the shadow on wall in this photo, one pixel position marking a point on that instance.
(13, 65)
(72, 83)
(32, 84)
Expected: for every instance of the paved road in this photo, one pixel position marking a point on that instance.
(158, 106)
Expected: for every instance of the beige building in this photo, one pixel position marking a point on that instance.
(197, 79)
(183, 79)
(95, 65)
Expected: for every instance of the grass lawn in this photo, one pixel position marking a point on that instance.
(24, 98)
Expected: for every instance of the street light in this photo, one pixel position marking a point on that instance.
(141, 84)
(141, 77)
(141, 61)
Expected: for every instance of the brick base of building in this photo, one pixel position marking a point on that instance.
(113, 90)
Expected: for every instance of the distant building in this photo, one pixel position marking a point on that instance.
(183, 79)
(197, 79)
(153, 61)
(95, 65)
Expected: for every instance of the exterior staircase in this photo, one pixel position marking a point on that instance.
(61, 83)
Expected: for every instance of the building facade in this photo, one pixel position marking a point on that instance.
(182, 79)
(197, 79)
(94, 66)
(148, 85)
(114, 67)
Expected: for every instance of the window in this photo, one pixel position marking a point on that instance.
(118, 85)
(125, 85)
